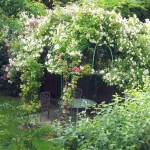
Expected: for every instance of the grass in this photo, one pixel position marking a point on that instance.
(11, 137)
(46, 145)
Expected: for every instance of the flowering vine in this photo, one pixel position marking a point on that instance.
(70, 35)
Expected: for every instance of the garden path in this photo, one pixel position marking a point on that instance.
(54, 113)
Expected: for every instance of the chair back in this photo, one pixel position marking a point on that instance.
(45, 99)
(77, 93)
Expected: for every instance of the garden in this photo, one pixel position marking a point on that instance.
(61, 47)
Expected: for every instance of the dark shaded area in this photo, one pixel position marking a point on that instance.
(48, 3)
(51, 83)
(3, 55)
(92, 87)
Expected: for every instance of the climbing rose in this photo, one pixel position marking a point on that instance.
(4, 77)
(76, 69)
(62, 118)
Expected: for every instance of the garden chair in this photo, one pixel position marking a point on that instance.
(45, 103)
(77, 93)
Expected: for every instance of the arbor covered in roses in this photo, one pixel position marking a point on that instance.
(78, 40)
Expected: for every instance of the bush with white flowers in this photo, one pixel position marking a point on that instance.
(90, 38)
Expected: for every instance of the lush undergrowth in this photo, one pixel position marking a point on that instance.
(14, 138)
(121, 125)
(124, 124)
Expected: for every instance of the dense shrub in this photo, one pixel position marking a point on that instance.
(123, 124)
(126, 7)
(11, 26)
(140, 7)
(86, 37)
(13, 7)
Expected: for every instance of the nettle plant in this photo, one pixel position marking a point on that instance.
(76, 40)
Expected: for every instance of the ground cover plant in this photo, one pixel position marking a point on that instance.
(14, 138)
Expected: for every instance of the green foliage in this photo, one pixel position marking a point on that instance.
(52, 3)
(33, 72)
(78, 35)
(29, 108)
(46, 132)
(11, 27)
(7, 120)
(69, 36)
(13, 7)
(45, 145)
(140, 7)
(126, 7)
(27, 114)
(10, 134)
(13, 137)
(123, 124)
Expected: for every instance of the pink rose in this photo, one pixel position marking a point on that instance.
(5, 77)
(62, 118)
(65, 111)
(76, 69)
